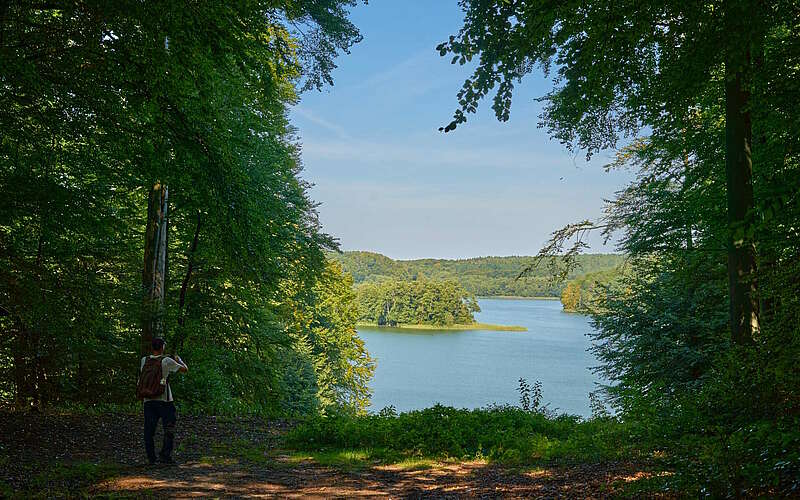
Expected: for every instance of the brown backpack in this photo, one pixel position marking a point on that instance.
(149, 385)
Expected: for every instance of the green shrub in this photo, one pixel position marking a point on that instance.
(502, 433)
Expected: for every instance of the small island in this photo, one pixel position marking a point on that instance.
(453, 327)
(420, 305)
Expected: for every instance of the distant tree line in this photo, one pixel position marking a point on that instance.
(420, 302)
(481, 276)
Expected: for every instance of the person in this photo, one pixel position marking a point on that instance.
(161, 407)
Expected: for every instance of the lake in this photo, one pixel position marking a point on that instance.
(470, 369)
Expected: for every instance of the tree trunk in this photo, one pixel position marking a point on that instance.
(23, 393)
(154, 273)
(182, 307)
(739, 178)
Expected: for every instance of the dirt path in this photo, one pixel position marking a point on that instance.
(61, 455)
(311, 481)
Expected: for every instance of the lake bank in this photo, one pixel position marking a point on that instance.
(455, 327)
(516, 297)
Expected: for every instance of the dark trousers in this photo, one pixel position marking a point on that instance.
(154, 410)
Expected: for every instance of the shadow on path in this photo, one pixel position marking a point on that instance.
(308, 480)
(57, 455)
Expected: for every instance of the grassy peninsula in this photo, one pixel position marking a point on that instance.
(517, 297)
(453, 327)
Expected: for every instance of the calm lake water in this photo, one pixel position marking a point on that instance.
(471, 369)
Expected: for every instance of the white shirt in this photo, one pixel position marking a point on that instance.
(168, 365)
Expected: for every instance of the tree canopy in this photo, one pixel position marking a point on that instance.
(419, 302)
(625, 66)
(699, 336)
(106, 105)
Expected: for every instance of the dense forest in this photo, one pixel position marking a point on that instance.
(481, 276)
(419, 302)
(150, 186)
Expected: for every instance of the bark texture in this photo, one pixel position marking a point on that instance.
(155, 261)
(739, 179)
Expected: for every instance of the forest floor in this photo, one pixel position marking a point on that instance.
(77, 455)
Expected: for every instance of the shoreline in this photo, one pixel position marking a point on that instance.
(455, 327)
(515, 297)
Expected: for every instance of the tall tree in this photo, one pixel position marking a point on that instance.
(624, 65)
(154, 274)
(99, 103)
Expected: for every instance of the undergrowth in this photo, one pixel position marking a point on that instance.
(503, 434)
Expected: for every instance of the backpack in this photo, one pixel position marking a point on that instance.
(149, 385)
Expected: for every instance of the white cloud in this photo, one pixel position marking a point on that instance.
(417, 154)
(312, 117)
(413, 77)
(394, 72)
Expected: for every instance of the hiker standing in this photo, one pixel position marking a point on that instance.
(153, 388)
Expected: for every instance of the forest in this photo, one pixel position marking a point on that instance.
(481, 276)
(150, 186)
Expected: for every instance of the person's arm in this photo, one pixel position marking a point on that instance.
(181, 365)
(172, 365)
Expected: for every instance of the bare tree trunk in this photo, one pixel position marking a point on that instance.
(182, 306)
(154, 273)
(739, 178)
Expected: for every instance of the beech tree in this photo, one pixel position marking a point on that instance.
(621, 66)
(149, 180)
(705, 96)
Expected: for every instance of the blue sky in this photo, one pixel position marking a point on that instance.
(389, 181)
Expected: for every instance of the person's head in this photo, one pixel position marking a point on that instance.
(158, 345)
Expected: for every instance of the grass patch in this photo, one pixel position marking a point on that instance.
(226, 453)
(356, 459)
(213, 460)
(410, 464)
(648, 485)
(69, 479)
(534, 471)
(455, 327)
(505, 435)
(348, 460)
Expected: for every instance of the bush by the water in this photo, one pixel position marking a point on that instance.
(503, 433)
